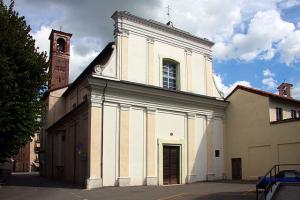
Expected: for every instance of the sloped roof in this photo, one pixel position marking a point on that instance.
(262, 93)
(98, 60)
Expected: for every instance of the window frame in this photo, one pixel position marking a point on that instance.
(279, 114)
(177, 71)
(293, 114)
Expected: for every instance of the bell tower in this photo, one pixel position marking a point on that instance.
(59, 59)
(285, 90)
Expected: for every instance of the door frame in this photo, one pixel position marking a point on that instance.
(182, 159)
(241, 169)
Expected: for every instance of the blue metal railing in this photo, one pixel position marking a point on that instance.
(266, 182)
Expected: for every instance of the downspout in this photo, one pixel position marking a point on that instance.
(102, 128)
(74, 155)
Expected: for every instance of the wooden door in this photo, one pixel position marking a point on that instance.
(236, 165)
(171, 165)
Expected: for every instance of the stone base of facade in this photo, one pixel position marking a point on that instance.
(123, 181)
(191, 178)
(92, 183)
(151, 181)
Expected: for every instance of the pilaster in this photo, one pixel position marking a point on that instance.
(210, 148)
(188, 55)
(94, 143)
(150, 60)
(124, 56)
(191, 147)
(124, 179)
(209, 75)
(121, 38)
(151, 178)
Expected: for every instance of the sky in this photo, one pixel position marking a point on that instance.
(257, 42)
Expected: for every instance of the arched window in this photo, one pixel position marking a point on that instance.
(170, 74)
(61, 45)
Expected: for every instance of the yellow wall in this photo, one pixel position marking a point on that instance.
(250, 136)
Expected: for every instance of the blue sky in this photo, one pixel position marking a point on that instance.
(257, 43)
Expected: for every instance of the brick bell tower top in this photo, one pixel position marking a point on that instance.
(59, 59)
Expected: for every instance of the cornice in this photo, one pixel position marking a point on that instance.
(153, 92)
(152, 23)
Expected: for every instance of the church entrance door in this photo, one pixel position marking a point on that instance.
(171, 165)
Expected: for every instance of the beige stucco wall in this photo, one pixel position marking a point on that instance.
(55, 106)
(250, 136)
(66, 149)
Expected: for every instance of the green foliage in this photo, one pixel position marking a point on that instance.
(23, 80)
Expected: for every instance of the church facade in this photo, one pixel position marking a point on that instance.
(145, 111)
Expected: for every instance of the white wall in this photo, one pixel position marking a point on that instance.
(198, 74)
(110, 145)
(286, 109)
(110, 68)
(170, 122)
(137, 146)
(137, 59)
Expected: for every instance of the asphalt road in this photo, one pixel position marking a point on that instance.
(32, 187)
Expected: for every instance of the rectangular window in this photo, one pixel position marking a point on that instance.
(278, 114)
(169, 75)
(293, 114)
(217, 153)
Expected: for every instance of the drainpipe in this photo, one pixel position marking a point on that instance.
(74, 155)
(102, 123)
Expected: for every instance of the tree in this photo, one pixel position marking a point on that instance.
(23, 78)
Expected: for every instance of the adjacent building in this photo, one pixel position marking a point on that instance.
(262, 129)
(145, 111)
(27, 159)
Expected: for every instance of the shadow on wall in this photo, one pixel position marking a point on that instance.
(209, 152)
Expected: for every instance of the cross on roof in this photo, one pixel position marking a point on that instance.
(168, 12)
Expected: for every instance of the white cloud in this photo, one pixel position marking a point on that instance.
(285, 4)
(79, 62)
(267, 72)
(266, 29)
(290, 48)
(268, 81)
(226, 89)
(41, 39)
(296, 91)
(204, 18)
